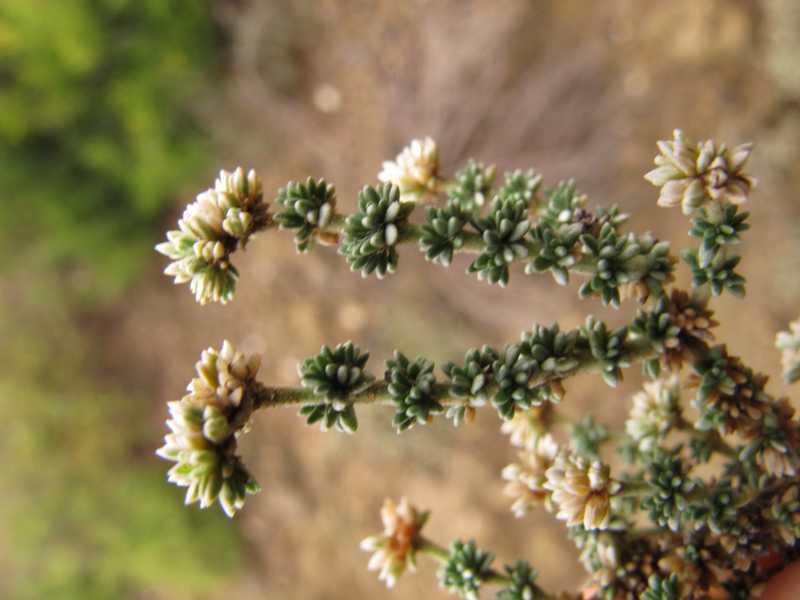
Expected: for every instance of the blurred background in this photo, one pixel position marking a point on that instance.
(115, 113)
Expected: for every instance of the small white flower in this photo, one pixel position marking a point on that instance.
(414, 170)
(654, 412)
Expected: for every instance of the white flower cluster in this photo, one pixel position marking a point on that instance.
(582, 491)
(654, 412)
(216, 224)
(414, 170)
(204, 426)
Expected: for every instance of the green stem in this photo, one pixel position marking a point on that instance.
(442, 555)
(635, 489)
(378, 393)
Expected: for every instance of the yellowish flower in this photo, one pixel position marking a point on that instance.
(582, 491)
(527, 479)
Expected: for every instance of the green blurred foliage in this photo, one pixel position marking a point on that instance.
(95, 139)
(86, 513)
(94, 130)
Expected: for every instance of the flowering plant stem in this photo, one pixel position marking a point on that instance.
(378, 393)
(707, 533)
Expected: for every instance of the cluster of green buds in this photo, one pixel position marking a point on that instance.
(707, 489)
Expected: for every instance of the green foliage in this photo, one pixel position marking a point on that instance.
(443, 233)
(504, 231)
(719, 273)
(465, 569)
(372, 233)
(523, 582)
(94, 132)
(333, 375)
(608, 348)
(586, 436)
(307, 208)
(669, 477)
(411, 387)
(473, 186)
(718, 230)
(473, 379)
(521, 185)
(661, 589)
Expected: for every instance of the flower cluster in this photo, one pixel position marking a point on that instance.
(205, 425)
(527, 479)
(221, 220)
(582, 491)
(395, 550)
(655, 411)
(414, 171)
(697, 174)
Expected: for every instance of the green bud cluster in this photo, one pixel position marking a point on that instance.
(717, 512)
(307, 209)
(717, 230)
(557, 250)
(658, 326)
(443, 233)
(503, 231)
(473, 186)
(465, 569)
(623, 259)
(372, 233)
(719, 274)
(521, 185)
(411, 387)
(608, 348)
(667, 473)
(470, 384)
(333, 376)
(522, 583)
(659, 588)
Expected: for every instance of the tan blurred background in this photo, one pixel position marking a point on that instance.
(145, 103)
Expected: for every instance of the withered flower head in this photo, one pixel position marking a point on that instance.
(395, 549)
(526, 478)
